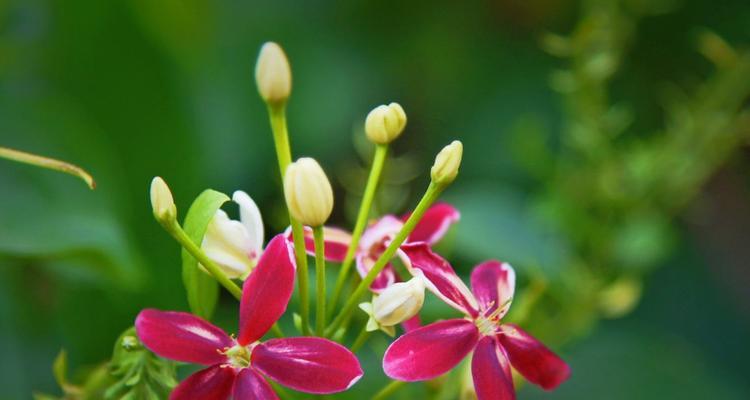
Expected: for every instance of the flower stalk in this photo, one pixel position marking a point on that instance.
(381, 151)
(388, 390)
(277, 116)
(432, 193)
(320, 277)
(361, 339)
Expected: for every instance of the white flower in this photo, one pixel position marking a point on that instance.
(446, 165)
(235, 245)
(385, 123)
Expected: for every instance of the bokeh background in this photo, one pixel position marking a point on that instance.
(606, 157)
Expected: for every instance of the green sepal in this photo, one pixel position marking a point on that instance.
(202, 290)
(138, 373)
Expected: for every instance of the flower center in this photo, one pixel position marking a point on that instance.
(488, 324)
(239, 356)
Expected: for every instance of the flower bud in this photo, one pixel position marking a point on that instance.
(398, 302)
(385, 123)
(308, 193)
(446, 165)
(162, 202)
(272, 74)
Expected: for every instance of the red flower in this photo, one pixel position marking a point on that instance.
(239, 368)
(432, 350)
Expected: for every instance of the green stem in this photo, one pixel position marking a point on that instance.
(277, 116)
(432, 193)
(49, 163)
(388, 390)
(320, 278)
(381, 151)
(182, 237)
(361, 339)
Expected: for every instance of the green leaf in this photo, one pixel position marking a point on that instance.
(138, 373)
(60, 369)
(202, 289)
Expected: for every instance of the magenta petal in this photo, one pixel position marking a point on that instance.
(385, 278)
(412, 323)
(440, 277)
(378, 233)
(532, 359)
(336, 242)
(434, 224)
(251, 385)
(430, 351)
(491, 371)
(493, 284)
(267, 290)
(308, 364)
(181, 336)
(212, 383)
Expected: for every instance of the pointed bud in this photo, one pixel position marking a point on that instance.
(399, 302)
(272, 74)
(308, 193)
(385, 123)
(446, 165)
(162, 202)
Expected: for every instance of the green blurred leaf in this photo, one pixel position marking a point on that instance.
(60, 369)
(202, 289)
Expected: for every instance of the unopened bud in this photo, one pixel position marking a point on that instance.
(385, 123)
(446, 165)
(396, 304)
(308, 192)
(162, 202)
(272, 74)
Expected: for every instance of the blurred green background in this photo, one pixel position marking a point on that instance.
(606, 156)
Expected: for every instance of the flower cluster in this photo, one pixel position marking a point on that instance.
(232, 250)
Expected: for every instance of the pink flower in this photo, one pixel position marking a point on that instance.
(238, 368)
(434, 349)
(430, 229)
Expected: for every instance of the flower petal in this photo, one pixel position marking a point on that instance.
(377, 234)
(385, 278)
(251, 385)
(336, 242)
(439, 276)
(308, 364)
(412, 323)
(267, 290)
(212, 383)
(228, 243)
(531, 358)
(430, 351)
(251, 218)
(434, 223)
(181, 336)
(491, 371)
(493, 284)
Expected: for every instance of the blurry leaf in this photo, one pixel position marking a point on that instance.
(140, 374)
(202, 289)
(60, 369)
(642, 241)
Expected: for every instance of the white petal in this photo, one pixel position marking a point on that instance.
(228, 243)
(251, 218)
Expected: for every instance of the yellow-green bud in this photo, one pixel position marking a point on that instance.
(162, 202)
(399, 302)
(308, 192)
(272, 74)
(446, 165)
(385, 123)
